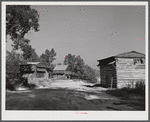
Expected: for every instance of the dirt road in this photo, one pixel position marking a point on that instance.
(65, 95)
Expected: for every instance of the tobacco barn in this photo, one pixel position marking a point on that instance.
(34, 70)
(122, 70)
(62, 72)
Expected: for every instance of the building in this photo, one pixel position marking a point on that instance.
(34, 70)
(62, 72)
(122, 70)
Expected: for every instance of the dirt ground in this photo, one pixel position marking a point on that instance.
(66, 95)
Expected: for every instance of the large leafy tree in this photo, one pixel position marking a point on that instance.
(75, 64)
(29, 53)
(13, 60)
(90, 74)
(78, 66)
(20, 19)
(48, 57)
(70, 60)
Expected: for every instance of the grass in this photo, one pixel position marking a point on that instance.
(133, 97)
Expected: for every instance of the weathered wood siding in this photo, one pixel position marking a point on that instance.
(129, 71)
(107, 72)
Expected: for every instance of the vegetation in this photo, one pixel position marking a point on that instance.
(78, 66)
(13, 60)
(134, 96)
(29, 54)
(20, 19)
(48, 56)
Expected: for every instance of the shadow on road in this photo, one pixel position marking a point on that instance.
(63, 99)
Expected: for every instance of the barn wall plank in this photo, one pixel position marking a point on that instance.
(129, 72)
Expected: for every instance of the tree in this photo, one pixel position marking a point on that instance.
(48, 56)
(29, 53)
(70, 61)
(76, 64)
(20, 19)
(13, 60)
(34, 57)
(90, 74)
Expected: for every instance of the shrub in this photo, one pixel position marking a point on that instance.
(12, 84)
(9, 86)
(140, 87)
(25, 83)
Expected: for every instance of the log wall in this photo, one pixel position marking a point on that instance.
(107, 72)
(129, 71)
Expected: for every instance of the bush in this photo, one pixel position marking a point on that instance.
(9, 86)
(24, 82)
(140, 87)
(12, 84)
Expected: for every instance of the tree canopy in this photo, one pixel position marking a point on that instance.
(48, 57)
(77, 65)
(13, 60)
(29, 53)
(20, 19)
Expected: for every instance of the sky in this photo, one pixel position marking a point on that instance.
(93, 32)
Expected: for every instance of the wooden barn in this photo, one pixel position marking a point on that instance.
(34, 70)
(122, 70)
(62, 71)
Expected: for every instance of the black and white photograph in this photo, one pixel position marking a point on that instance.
(80, 59)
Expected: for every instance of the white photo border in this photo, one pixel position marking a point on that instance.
(70, 115)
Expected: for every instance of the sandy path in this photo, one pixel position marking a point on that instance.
(65, 95)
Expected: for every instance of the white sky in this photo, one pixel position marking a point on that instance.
(93, 32)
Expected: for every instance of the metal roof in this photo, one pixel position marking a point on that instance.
(60, 67)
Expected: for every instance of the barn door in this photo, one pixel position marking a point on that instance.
(107, 81)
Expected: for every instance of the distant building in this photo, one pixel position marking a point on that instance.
(34, 70)
(62, 72)
(122, 70)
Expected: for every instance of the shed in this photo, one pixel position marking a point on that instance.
(62, 70)
(122, 70)
(33, 70)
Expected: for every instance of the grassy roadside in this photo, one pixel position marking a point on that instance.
(133, 97)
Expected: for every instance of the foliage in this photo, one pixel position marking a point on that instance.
(24, 83)
(77, 65)
(10, 85)
(71, 61)
(29, 53)
(89, 74)
(13, 60)
(48, 56)
(20, 19)
(140, 85)
(134, 96)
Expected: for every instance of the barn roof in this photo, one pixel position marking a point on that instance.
(131, 54)
(61, 67)
(30, 67)
(33, 63)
